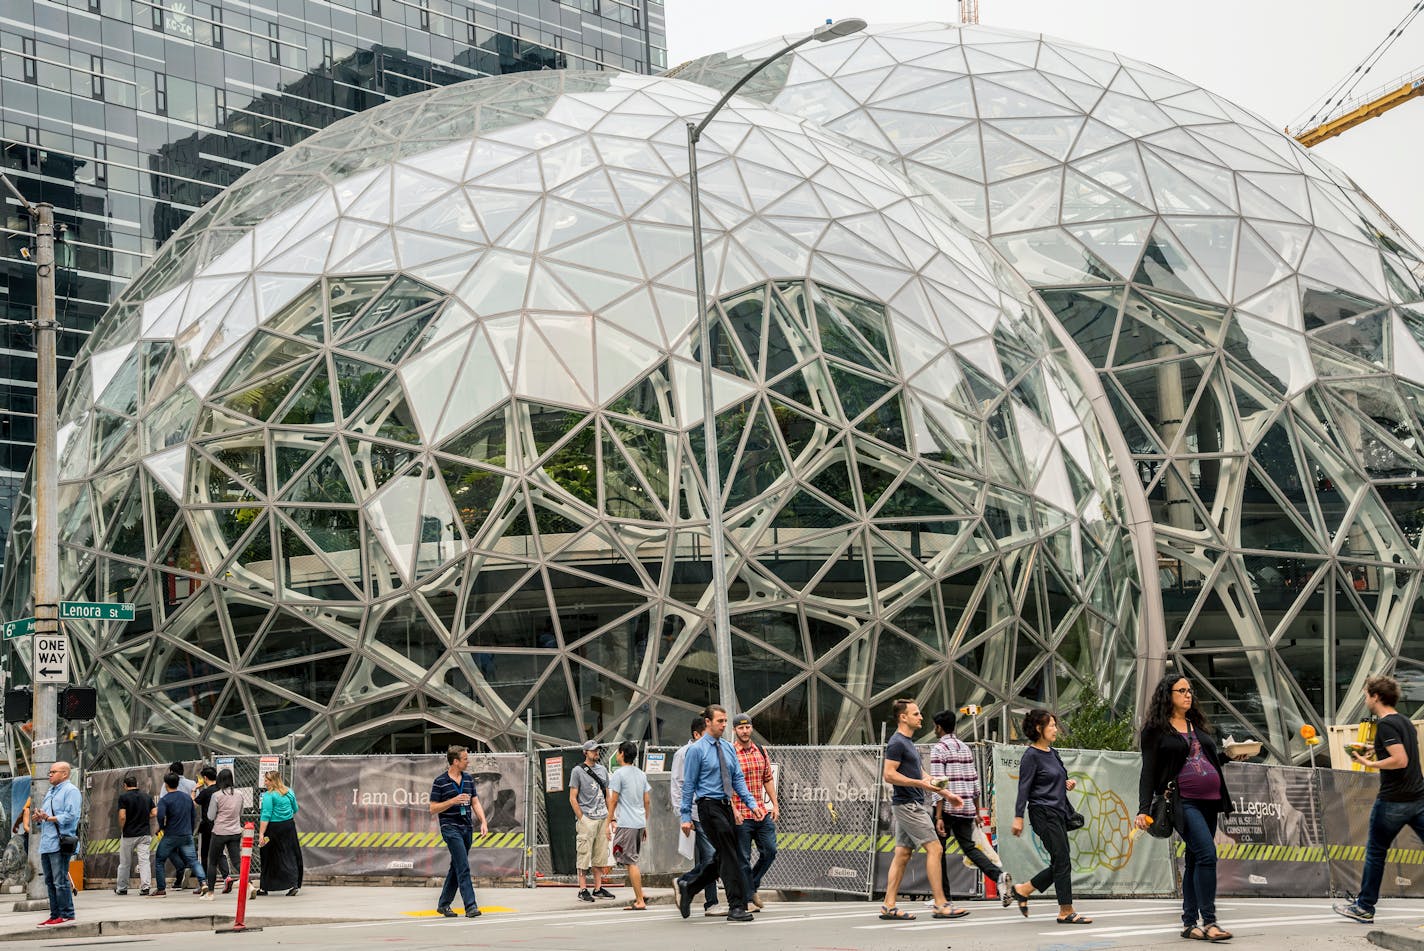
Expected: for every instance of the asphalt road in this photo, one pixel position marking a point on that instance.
(1262, 925)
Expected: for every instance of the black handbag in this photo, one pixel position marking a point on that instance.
(68, 844)
(1162, 812)
(1076, 820)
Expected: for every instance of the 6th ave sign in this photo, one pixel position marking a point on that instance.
(73, 611)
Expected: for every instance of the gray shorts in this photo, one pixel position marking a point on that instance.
(627, 845)
(913, 827)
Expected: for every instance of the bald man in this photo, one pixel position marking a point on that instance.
(58, 816)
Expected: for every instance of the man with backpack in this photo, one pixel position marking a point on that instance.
(588, 797)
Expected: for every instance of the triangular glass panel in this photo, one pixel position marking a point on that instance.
(248, 463)
(574, 467)
(1090, 316)
(909, 500)
(857, 392)
(355, 381)
(1167, 267)
(1265, 522)
(310, 404)
(347, 295)
(648, 450)
(1276, 459)
(257, 401)
(325, 480)
(403, 296)
(393, 341)
(624, 494)
(805, 511)
(265, 353)
(760, 464)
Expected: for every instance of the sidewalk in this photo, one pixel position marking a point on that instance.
(101, 912)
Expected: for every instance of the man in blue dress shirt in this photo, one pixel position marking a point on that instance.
(712, 776)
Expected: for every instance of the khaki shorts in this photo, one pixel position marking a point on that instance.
(913, 827)
(592, 843)
(627, 845)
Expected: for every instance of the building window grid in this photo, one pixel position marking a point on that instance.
(217, 27)
(274, 46)
(160, 93)
(101, 164)
(220, 106)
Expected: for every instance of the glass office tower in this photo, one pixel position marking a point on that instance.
(129, 116)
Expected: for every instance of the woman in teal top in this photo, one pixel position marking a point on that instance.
(280, 852)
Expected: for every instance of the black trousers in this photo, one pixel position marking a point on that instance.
(721, 830)
(1050, 825)
(961, 829)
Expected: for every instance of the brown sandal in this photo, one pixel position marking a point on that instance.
(1214, 933)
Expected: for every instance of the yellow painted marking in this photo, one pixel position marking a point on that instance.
(484, 909)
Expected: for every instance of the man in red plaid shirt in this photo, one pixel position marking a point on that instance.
(951, 759)
(757, 769)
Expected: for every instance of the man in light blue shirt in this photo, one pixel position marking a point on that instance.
(712, 776)
(58, 816)
(702, 849)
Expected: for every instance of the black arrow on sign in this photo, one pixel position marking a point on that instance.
(47, 672)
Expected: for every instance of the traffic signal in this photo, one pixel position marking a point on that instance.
(19, 705)
(78, 703)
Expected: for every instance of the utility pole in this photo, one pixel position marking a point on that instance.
(45, 544)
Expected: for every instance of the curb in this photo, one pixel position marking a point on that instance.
(146, 926)
(1398, 939)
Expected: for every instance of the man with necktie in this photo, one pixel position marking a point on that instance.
(712, 777)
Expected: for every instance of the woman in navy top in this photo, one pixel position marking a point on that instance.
(1178, 747)
(1043, 793)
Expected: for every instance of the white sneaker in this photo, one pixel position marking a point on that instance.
(207, 895)
(716, 911)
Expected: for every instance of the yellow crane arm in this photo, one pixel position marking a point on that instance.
(1378, 105)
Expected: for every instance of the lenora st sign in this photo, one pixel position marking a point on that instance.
(95, 611)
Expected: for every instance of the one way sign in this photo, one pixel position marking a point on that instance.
(51, 659)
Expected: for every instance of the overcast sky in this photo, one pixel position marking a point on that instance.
(1274, 57)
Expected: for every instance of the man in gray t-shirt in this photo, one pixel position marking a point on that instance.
(588, 798)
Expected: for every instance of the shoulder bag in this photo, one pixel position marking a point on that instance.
(1162, 812)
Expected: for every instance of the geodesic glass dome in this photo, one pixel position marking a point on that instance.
(403, 434)
(1252, 320)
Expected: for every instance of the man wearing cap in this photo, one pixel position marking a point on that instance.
(713, 778)
(588, 797)
(757, 770)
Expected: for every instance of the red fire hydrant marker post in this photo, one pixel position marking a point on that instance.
(238, 924)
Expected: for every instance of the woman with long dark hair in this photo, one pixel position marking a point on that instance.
(1178, 750)
(277, 839)
(225, 813)
(1043, 792)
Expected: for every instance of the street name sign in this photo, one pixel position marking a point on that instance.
(51, 659)
(21, 628)
(95, 611)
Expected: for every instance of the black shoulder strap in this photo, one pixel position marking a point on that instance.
(596, 778)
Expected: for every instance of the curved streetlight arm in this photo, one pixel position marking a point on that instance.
(695, 131)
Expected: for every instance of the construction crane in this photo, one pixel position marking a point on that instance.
(968, 11)
(1340, 110)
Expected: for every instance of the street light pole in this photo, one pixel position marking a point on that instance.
(45, 539)
(721, 614)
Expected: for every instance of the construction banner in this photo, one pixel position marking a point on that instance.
(101, 790)
(1272, 843)
(828, 797)
(1346, 799)
(370, 816)
(1108, 858)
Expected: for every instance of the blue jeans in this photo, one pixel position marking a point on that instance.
(56, 874)
(1197, 826)
(706, 855)
(457, 840)
(187, 858)
(764, 834)
(1387, 820)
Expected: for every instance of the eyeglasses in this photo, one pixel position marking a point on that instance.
(1185, 690)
